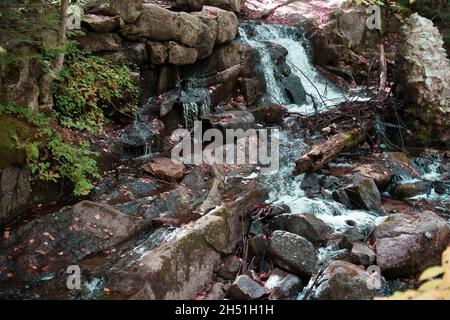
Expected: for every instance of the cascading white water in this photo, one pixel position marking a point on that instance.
(285, 188)
(317, 88)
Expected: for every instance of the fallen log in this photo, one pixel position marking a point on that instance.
(324, 152)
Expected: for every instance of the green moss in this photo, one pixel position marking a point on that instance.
(11, 127)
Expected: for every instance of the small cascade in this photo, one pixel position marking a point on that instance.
(196, 103)
(320, 93)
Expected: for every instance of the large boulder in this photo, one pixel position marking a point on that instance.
(179, 268)
(342, 280)
(406, 244)
(307, 226)
(193, 5)
(155, 23)
(129, 10)
(227, 23)
(292, 253)
(15, 189)
(424, 77)
(100, 42)
(100, 23)
(58, 240)
(181, 55)
(157, 52)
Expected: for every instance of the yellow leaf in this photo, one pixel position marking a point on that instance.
(446, 281)
(430, 285)
(412, 1)
(446, 258)
(431, 272)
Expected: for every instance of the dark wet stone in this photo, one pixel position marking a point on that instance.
(307, 226)
(244, 288)
(283, 285)
(292, 253)
(229, 268)
(364, 194)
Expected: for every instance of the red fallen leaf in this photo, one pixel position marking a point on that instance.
(106, 290)
(46, 268)
(97, 216)
(34, 268)
(48, 235)
(31, 241)
(10, 275)
(146, 180)
(40, 251)
(263, 275)
(6, 234)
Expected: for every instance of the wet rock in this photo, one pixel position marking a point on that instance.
(292, 253)
(364, 194)
(409, 190)
(157, 52)
(245, 288)
(100, 23)
(165, 167)
(229, 268)
(342, 280)
(293, 88)
(137, 138)
(270, 114)
(15, 189)
(98, 42)
(311, 184)
(258, 246)
(378, 172)
(129, 10)
(330, 182)
(64, 238)
(307, 226)
(425, 80)
(406, 244)
(283, 285)
(194, 250)
(231, 120)
(341, 196)
(363, 254)
(180, 55)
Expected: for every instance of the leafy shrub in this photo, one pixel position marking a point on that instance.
(89, 89)
(49, 156)
(436, 284)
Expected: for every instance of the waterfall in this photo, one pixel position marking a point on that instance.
(196, 103)
(318, 90)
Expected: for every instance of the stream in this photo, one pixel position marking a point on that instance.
(303, 90)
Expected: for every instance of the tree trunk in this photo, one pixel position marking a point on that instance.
(46, 101)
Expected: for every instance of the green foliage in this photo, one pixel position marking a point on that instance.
(25, 23)
(89, 89)
(49, 156)
(435, 286)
